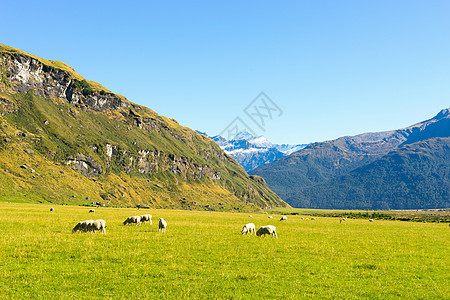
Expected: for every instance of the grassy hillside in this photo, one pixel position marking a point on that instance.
(202, 255)
(66, 140)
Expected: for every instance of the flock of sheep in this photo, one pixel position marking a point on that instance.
(100, 225)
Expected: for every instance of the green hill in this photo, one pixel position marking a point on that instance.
(64, 139)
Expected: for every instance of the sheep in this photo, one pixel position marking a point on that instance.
(92, 210)
(371, 220)
(52, 209)
(99, 225)
(283, 218)
(313, 218)
(78, 227)
(248, 228)
(250, 216)
(162, 225)
(147, 218)
(268, 229)
(133, 220)
(82, 226)
(270, 217)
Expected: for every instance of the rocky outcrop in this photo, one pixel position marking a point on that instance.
(85, 165)
(26, 73)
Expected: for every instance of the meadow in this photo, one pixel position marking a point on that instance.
(202, 255)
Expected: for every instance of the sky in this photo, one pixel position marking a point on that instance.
(293, 71)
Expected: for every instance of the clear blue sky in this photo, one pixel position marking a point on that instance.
(333, 67)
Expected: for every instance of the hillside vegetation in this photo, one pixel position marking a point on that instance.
(64, 139)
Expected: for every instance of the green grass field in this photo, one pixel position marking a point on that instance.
(202, 255)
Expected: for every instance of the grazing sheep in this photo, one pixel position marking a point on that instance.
(313, 218)
(248, 228)
(82, 226)
(133, 220)
(146, 218)
(268, 229)
(162, 225)
(52, 209)
(250, 216)
(97, 225)
(78, 227)
(270, 217)
(92, 210)
(371, 220)
(283, 218)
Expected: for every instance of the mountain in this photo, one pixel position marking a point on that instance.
(252, 152)
(400, 169)
(64, 139)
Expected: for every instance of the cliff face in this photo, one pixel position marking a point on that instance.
(125, 153)
(26, 73)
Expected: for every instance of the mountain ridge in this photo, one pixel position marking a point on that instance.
(304, 177)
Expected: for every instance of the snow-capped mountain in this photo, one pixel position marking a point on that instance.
(252, 152)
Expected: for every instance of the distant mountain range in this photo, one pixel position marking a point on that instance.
(252, 152)
(401, 169)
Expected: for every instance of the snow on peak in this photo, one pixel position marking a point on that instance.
(261, 142)
(251, 151)
(243, 136)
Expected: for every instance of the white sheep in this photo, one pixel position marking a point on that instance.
(250, 216)
(283, 218)
(97, 225)
(162, 225)
(52, 209)
(82, 226)
(146, 218)
(270, 217)
(268, 229)
(133, 220)
(313, 218)
(371, 220)
(92, 210)
(248, 228)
